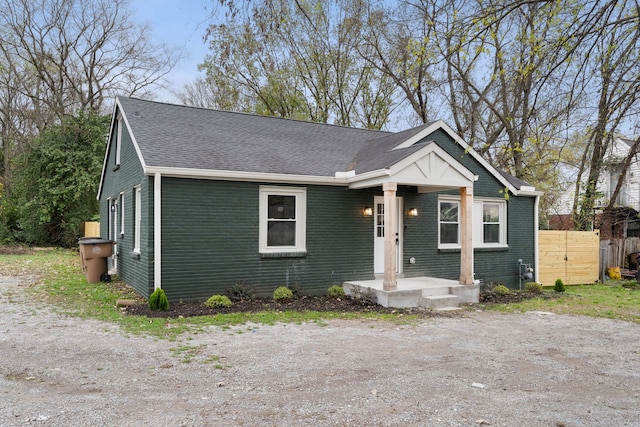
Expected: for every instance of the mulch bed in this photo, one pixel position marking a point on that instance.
(304, 303)
(321, 304)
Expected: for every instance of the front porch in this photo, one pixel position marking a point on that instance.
(428, 292)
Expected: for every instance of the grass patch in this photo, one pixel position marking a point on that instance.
(614, 299)
(63, 287)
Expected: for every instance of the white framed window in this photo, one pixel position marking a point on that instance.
(137, 215)
(121, 214)
(489, 222)
(118, 140)
(448, 223)
(282, 219)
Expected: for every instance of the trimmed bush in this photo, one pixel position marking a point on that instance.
(282, 294)
(158, 300)
(240, 292)
(336, 292)
(218, 301)
(559, 286)
(533, 287)
(501, 290)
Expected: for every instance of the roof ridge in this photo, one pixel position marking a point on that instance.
(169, 104)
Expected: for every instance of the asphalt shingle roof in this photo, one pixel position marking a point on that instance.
(196, 138)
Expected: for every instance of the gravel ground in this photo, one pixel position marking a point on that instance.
(533, 369)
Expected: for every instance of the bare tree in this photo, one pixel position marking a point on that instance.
(61, 56)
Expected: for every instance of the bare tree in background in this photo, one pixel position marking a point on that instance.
(58, 57)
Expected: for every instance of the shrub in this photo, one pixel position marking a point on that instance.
(240, 292)
(559, 286)
(533, 287)
(282, 293)
(336, 292)
(158, 300)
(218, 301)
(501, 290)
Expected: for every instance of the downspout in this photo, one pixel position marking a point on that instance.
(157, 231)
(536, 249)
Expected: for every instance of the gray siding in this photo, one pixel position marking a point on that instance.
(134, 270)
(210, 240)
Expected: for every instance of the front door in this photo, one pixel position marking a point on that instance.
(378, 235)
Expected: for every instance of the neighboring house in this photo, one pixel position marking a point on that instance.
(624, 219)
(198, 200)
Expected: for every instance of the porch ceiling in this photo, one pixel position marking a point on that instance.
(430, 169)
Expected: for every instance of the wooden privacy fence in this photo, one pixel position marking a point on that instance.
(572, 256)
(614, 252)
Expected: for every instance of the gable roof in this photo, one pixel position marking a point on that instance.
(177, 140)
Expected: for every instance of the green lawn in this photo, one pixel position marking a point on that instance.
(62, 287)
(611, 300)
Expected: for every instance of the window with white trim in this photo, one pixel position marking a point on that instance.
(137, 214)
(121, 214)
(489, 222)
(282, 219)
(448, 223)
(118, 140)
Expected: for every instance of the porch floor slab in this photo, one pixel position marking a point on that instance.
(429, 292)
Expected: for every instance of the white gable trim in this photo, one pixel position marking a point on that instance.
(118, 112)
(430, 168)
(440, 124)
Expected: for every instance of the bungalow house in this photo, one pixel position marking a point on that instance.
(197, 200)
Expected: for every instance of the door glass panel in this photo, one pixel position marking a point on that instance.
(380, 219)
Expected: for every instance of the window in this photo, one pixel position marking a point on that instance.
(449, 223)
(282, 219)
(122, 214)
(118, 140)
(489, 223)
(137, 201)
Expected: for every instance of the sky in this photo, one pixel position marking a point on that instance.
(180, 24)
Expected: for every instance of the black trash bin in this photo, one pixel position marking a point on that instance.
(94, 252)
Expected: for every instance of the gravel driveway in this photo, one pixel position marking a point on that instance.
(532, 369)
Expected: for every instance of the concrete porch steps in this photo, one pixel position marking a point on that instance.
(428, 292)
(439, 302)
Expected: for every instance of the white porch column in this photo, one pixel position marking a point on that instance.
(390, 213)
(466, 235)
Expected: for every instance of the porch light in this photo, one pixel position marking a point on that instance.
(367, 211)
(413, 212)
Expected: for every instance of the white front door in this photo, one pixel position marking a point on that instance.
(378, 235)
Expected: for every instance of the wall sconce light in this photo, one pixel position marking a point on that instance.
(413, 212)
(367, 211)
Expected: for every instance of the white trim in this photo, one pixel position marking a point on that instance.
(157, 231)
(440, 124)
(300, 194)
(121, 213)
(477, 222)
(536, 236)
(449, 199)
(228, 175)
(137, 217)
(118, 140)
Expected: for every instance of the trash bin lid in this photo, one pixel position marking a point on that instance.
(94, 241)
